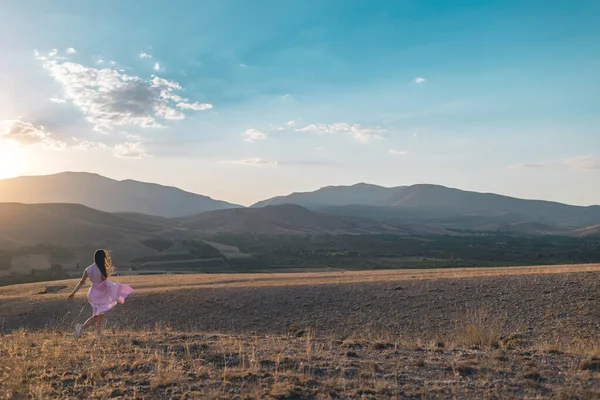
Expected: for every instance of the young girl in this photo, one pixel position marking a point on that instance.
(104, 294)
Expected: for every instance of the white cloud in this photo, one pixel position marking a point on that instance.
(145, 55)
(133, 150)
(109, 98)
(26, 134)
(71, 50)
(420, 80)
(291, 123)
(359, 132)
(57, 100)
(130, 150)
(584, 162)
(195, 106)
(88, 145)
(243, 66)
(255, 162)
(156, 66)
(253, 135)
(320, 148)
(399, 152)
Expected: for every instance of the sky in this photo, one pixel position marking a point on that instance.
(244, 100)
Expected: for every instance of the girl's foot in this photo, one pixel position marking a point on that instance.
(78, 329)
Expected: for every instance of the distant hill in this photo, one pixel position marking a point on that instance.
(76, 227)
(440, 205)
(588, 231)
(291, 219)
(106, 194)
(362, 193)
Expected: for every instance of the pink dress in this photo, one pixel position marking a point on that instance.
(104, 294)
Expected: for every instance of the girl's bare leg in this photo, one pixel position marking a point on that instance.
(88, 323)
(99, 319)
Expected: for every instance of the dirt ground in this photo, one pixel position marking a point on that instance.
(463, 333)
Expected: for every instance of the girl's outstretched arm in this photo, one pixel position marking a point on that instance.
(79, 285)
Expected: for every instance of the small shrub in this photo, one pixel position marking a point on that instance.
(533, 375)
(592, 364)
(463, 368)
(479, 331)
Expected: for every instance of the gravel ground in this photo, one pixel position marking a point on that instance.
(367, 336)
(548, 306)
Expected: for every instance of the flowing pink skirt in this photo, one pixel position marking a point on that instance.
(106, 295)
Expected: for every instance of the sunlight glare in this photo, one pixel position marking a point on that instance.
(12, 160)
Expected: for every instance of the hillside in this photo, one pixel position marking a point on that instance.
(438, 205)
(77, 228)
(290, 219)
(588, 231)
(106, 194)
(361, 193)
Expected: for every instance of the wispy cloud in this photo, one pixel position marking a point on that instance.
(57, 100)
(243, 66)
(254, 162)
(533, 165)
(254, 135)
(108, 97)
(587, 162)
(584, 162)
(399, 152)
(145, 55)
(195, 106)
(420, 80)
(156, 66)
(359, 132)
(89, 145)
(71, 50)
(26, 134)
(130, 150)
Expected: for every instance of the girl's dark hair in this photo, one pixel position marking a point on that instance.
(104, 263)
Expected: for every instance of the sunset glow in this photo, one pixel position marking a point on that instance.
(12, 160)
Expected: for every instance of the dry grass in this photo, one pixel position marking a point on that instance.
(438, 337)
(481, 329)
(163, 363)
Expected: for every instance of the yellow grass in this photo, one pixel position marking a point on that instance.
(162, 364)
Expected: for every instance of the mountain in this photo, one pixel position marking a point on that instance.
(291, 219)
(361, 193)
(79, 229)
(106, 194)
(442, 206)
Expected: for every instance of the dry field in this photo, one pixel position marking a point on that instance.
(463, 333)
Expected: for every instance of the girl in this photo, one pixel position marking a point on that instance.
(104, 294)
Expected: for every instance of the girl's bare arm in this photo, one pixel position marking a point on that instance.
(79, 285)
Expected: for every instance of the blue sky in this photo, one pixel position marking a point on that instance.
(243, 100)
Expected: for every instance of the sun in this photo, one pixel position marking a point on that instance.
(12, 160)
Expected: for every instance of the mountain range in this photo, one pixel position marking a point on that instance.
(402, 208)
(108, 195)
